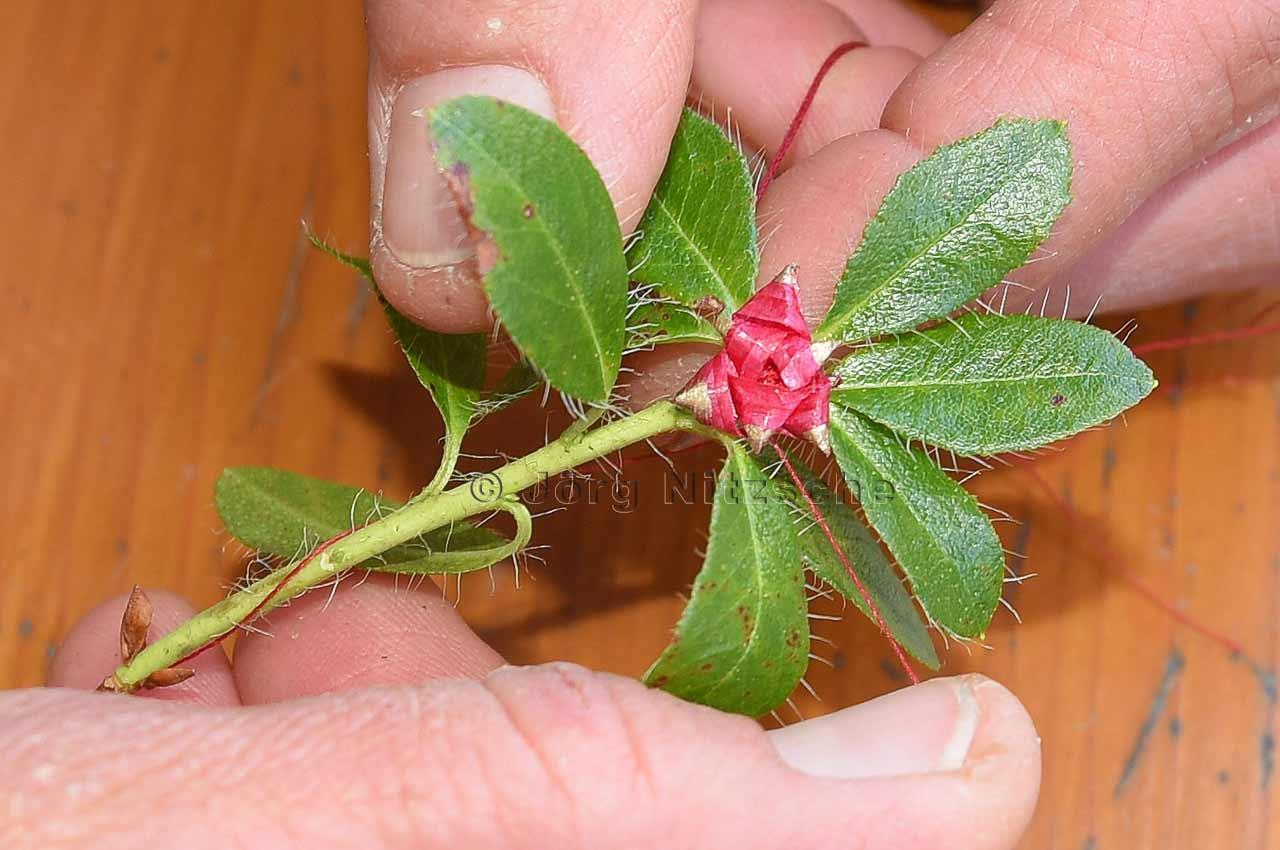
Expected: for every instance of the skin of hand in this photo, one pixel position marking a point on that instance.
(382, 721)
(379, 720)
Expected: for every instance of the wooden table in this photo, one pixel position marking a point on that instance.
(162, 317)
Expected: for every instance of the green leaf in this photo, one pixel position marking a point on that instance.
(989, 384)
(451, 367)
(742, 643)
(952, 228)
(463, 550)
(285, 515)
(940, 536)
(549, 247)
(654, 320)
(867, 559)
(360, 264)
(698, 234)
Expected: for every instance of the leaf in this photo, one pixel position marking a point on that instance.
(936, 531)
(742, 643)
(654, 320)
(360, 264)
(989, 384)
(463, 550)
(546, 235)
(285, 515)
(952, 228)
(698, 234)
(867, 559)
(451, 367)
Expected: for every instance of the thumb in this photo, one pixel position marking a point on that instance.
(551, 756)
(613, 76)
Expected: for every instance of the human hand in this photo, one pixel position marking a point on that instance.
(379, 720)
(1169, 110)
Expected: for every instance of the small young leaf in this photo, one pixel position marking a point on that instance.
(989, 384)
(938, 533)
(547, 238)
(742, 643)
(360, 264)
(451, 367)
(952, 228)
(867, 559)
(660, 321)
(698, 234)
(463, 550)
(284, 514)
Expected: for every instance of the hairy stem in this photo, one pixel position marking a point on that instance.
(479, 495)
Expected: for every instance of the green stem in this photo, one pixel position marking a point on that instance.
(479, 495)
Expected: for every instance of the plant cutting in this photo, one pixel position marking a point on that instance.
(908, 362)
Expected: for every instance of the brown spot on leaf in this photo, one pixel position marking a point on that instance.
(1058, 400)
(706, 667)
(458, 177)
(528, 211)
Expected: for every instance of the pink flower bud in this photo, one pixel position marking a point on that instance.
(766, 378)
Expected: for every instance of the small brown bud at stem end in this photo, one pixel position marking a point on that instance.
(135, 624)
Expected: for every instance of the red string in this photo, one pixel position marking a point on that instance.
(774, 164)
(789, 139)
(257, 609)
(1215, 336)
(848, 567)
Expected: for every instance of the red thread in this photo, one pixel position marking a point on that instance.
(794, 129)
(1216, 336)
(848, 567)
(257, 609)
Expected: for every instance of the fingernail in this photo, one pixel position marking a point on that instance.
(420, 222)
(928, 728)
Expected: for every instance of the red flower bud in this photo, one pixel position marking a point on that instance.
(766, 378)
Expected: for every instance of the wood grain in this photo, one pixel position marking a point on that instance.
(162, 318)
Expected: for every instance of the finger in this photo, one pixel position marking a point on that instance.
(92, 650)
(613, 77)
(378, 630)
(1146, 92)
(758, 57)
(890, 23)
(553, 756)
(1215, 228)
